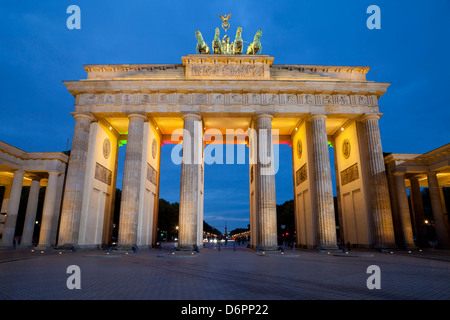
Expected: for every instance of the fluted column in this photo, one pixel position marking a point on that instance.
(48, 212)
(267, 210)
(131, 185)
(190, 183)
(30, 215)
(379, 192)
(74, 188)
(441, 226)
(323, 184)
(419, 213)
(6, 195)
(403, 207)
(13, 209)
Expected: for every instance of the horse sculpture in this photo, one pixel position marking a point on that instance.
(202, 47)
(255, 46)
(238, 42)
(217, 44)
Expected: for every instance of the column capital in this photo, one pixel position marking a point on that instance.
(263, 115)
(411, 178)
(137, 115)
(370, 117)
(80, 115)
(318, 116)
(19, 171)
(191, 115)
(431, 173)
(35, 178)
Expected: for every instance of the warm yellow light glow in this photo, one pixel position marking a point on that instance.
(342, 129)
(426, 221)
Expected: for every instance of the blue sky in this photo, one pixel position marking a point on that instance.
(38, 52)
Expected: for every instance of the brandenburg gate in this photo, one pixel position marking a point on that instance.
(309, 106)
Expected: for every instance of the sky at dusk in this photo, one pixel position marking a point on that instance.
(38, 52)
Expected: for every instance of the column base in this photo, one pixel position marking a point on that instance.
(25, 246)
(330, 247)
(411, 248)
(126, 248)
(267, 248)
(67, 247)
(387, 249)
(45, 247)
(7, 247)
(188, 247)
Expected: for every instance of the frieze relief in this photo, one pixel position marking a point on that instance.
(227, 71)
(228, 98)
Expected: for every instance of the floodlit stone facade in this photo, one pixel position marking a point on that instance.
(308, 107)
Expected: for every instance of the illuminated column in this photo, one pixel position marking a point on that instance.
(323, 184)
(132, 171)
(403, 207)
(419, 214)
(4, 206)
(13, 209)
(48, 212)
(267, 211)
(6, 196)
(191, 183)
(30, 215)
(74, 188)
(441, 226)
(379, 193)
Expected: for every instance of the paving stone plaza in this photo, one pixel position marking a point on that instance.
(228, 274)
(89, 223)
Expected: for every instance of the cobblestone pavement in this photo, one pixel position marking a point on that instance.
(228, 274)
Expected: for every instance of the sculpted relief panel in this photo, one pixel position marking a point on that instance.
(227, 71)
(228, 98)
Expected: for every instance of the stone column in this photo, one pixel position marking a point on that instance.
(74, 188)
(190, 184)
(267, 209)
(323, 184)
(404, 214)
(442, 230)
(4, 207)
(6, 196)
(13, 209)
(131, 185)
(48, 212)
(419, 213)
(379, 192)
(30, 215)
